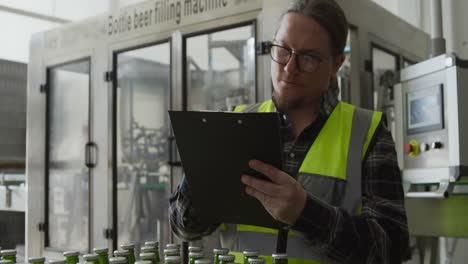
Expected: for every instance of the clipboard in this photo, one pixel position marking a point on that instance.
(215, 148)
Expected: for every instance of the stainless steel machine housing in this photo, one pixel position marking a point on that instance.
(432, 121)
(96, 45)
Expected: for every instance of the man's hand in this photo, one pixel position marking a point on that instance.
(284, 198)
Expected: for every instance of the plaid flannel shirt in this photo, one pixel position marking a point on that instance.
(378, 235)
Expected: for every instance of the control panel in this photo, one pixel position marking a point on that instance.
(431, 119)
(425, 134)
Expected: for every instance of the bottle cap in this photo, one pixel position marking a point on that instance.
(71, 253)
(91, 257)
(36, 259)
(196, 254)
(8, 252)
(227, 258)
(250, 253)
(143, 262)
(127, 246)
(202, 261)
(118, 260)
(194, 249)
(172, 259)
(256, 261)
(101, 250)
(220, 251)
(121, 253)
(171, 251)
(152, 243)
(147, 256)
(173, 246)
(57, 261)
(148, 249)
(279, 256)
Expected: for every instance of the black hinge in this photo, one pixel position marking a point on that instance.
(42, 227)
(263, 48)
(108, 233)
(43, 88)
(368, 66)
(109, 76)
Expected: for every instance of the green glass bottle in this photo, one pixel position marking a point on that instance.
(91, 258)
(249, 254)
(171, 252)
(217, 252)
(71, 257)
(149, 256)
(155, 245)
(38, 260)
(280, 258)
(103, 255)
(256, 261)
(131, 252)
(118, 260)
(8, 254)
(224, 259)
(172, 260)
(122, 253)
(194, 256)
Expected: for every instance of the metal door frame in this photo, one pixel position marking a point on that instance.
(90, 38)
(113, 52)
(210, 30)
(252, 18)
(49, 68)
(38, 213)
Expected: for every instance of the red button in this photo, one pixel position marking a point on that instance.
(408, 148)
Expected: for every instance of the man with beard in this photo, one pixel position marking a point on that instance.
(339, 191)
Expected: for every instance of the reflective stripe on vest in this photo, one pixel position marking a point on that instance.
(341, 145)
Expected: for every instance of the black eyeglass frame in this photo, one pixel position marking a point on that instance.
(297, 54)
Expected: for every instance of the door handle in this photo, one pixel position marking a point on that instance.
(90, 155)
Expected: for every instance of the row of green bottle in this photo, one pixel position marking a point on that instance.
(150, 252)
(149, 255)
(222, 256)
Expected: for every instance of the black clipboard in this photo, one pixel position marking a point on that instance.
(215, 148)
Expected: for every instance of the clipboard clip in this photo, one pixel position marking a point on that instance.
(171, 162)
(174, 163)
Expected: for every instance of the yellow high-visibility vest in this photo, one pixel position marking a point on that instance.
(331, 171)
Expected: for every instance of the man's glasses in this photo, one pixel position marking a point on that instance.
(305, 62)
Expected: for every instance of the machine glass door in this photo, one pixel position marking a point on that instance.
(67, 207)
(142, 186)
(344, 73)
(220, 69)
(385, 66)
